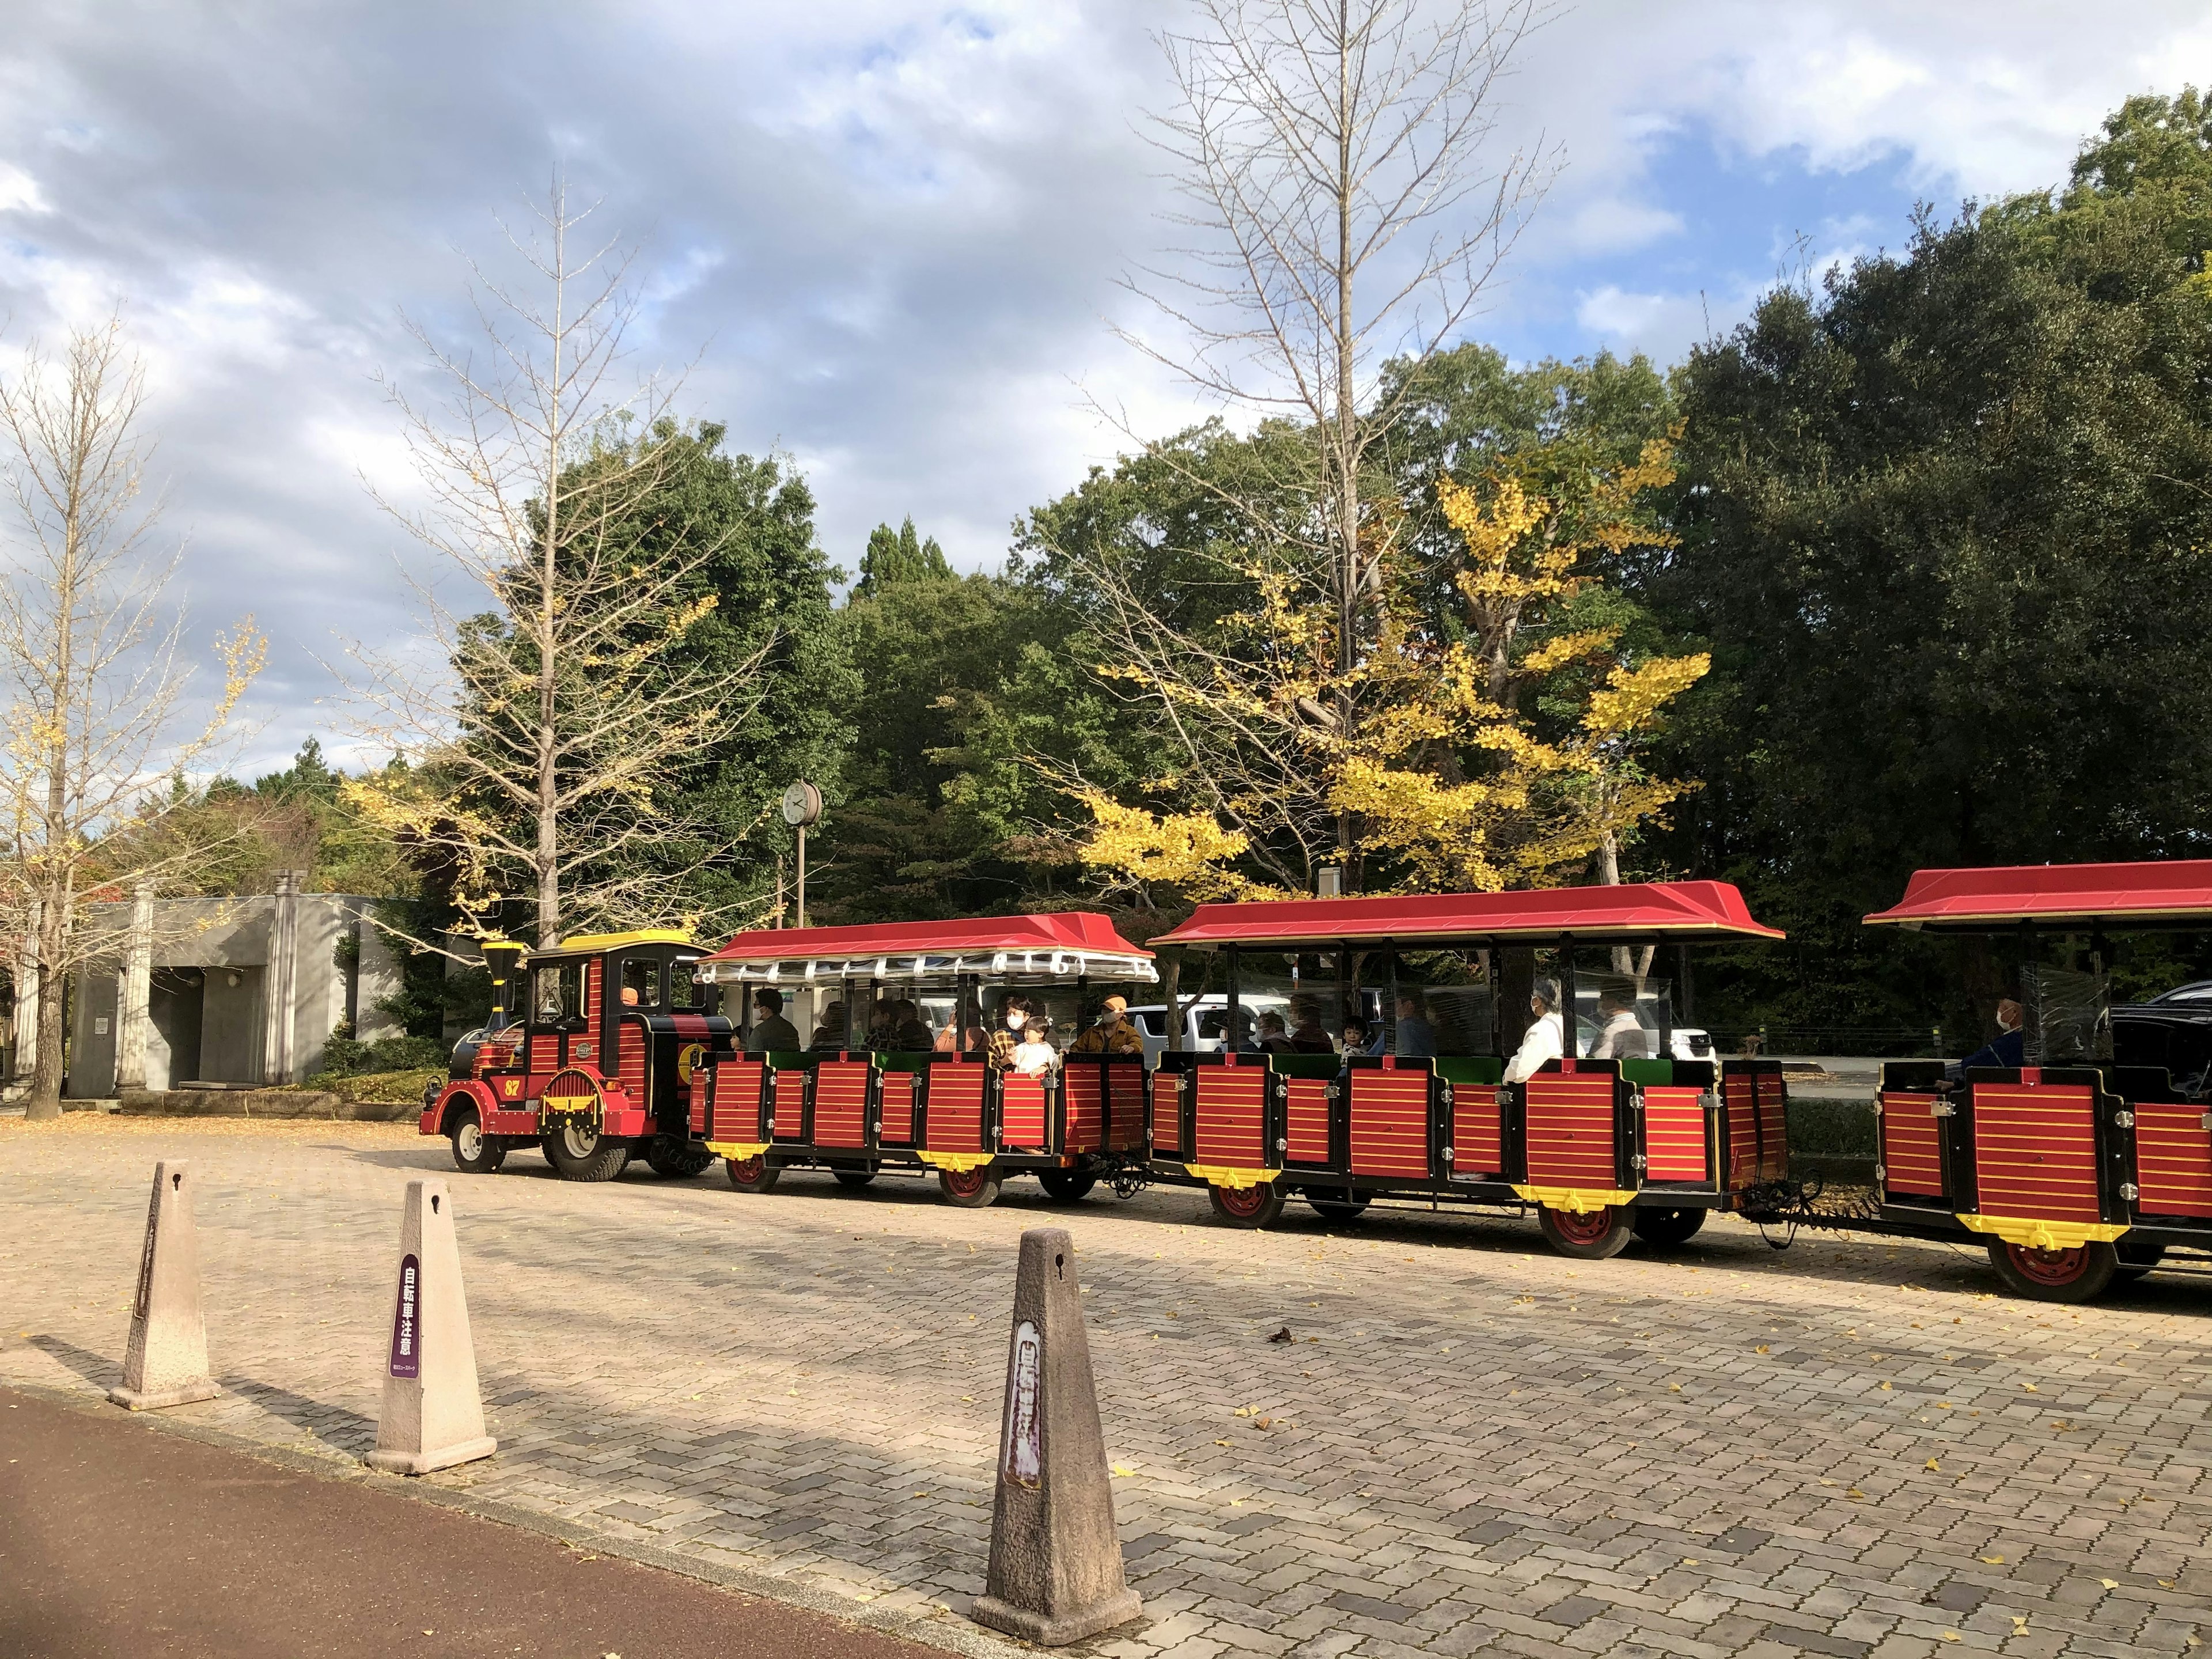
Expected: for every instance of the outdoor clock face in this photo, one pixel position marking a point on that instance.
(802, 803)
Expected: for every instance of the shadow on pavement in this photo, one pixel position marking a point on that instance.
(96, 1368)
(341, 1429)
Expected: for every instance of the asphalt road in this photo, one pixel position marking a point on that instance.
(117, 1538)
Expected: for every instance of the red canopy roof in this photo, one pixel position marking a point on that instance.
(1644, 910)
(1063, 944)
(2168, 890)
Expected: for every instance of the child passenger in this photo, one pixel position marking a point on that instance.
(1034, 1056)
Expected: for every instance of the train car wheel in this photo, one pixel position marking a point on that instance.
(971, 1190)
(1590, 1236)
(679, 1160)
(752, 1175)
(1665, 1228)
(578, 1152)
(1067, 1185)
(475, 1152)
(1341, 1205)
(856, 1178)
(2079, 1274)
(1257, 1206)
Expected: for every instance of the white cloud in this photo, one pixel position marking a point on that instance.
(897, 223)
(19, 192)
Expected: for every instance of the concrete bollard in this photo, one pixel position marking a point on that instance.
(433, 1412)
(167, 1364)
(1055, 1573)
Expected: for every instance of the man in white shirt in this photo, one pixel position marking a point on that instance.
(1541, 1043)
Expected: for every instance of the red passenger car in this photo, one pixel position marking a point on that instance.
(1603, 1145)
(2074, 1167)
(868, 1098)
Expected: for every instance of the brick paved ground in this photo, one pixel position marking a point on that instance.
(1472, 1445)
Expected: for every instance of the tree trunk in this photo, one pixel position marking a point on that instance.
(46, 1100)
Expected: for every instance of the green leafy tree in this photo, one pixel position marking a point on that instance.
(772, 618)
(1948, 528)
(897, 556)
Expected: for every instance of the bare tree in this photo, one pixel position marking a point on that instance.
(545, 734)
(1336, 162)
(92, 660)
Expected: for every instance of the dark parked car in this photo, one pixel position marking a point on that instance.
(2167, 1032)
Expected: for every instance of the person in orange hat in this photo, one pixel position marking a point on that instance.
(1113, 1033)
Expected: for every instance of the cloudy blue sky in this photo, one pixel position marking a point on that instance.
(887, 230)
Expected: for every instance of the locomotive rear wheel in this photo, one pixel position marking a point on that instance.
(854, 1177)
(1067, 1185)
(971, 1190)
(2080, 1274)
(578, 1153)
(679, 1160)
(1590, 1236)
(475, 1152)
(752, 1175)
(1665, 1228)
(1343, 1204)
(1254, 1207)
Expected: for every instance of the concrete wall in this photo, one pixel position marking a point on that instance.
(233, 1024)
(210, 1017)
(92, 1039)
(377, 978)
(173, 1031)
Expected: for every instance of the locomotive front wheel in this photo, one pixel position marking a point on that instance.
(1341, 1205)
(1252, 1206)
(1067, 1185)
(2079, 1274)
(854, 1177)
(1665, 1228)
(580, 1153)
(679, 1160)
(752, 1175)
(1591, 1236)
(475, 1152)
(971, 1190)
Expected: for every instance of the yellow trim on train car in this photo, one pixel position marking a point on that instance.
(1216, 1175)
(1575, 1201)
(736, 1150)
(2046, 1235)
(585, 943)
(959, 1161)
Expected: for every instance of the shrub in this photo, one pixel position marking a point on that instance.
(345, 1056)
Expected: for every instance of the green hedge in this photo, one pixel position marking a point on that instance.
(1835, 1129)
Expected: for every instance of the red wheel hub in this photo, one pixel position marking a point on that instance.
(2049, 1266)
(965, 1183)
(749, 1169)
(1242, 1201)
(1587, 1227)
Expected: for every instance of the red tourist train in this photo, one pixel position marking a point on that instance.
(2075, 1168)
(2080, 1163)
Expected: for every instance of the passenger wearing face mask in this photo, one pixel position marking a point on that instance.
(1542, 1041)
(1014, 1017)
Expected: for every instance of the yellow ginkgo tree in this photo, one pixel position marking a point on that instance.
(1493, 740)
